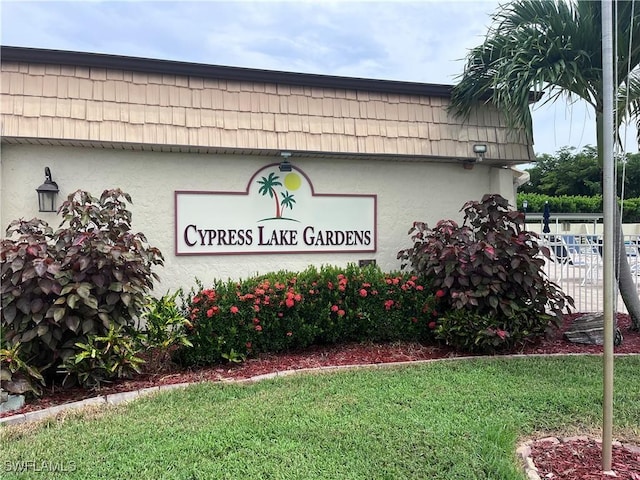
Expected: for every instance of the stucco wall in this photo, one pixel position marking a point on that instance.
(407, 191)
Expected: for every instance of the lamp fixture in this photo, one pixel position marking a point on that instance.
(479, 149)
(285, 165)
(47, 193)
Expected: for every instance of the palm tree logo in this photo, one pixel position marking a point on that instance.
(287, 201)
(268, 187)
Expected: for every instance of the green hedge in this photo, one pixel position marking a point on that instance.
(577, 204)
(285, 310)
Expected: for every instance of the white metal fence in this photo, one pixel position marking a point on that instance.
(576, 265)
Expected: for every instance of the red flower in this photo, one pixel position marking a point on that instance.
(258, 328)
(334, 308)
(414, 319)
(210, 313)
(440, 293)
(256, 321)
(388, 304)
(256, 308)
(502, 334)
(419, 288)
(234, 309)
(289, 302)
(432, 325)
(289, 334)
(363, 292)
(341, 313)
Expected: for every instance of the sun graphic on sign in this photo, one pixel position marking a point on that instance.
(292, 181)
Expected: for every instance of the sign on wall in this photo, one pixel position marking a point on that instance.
(278, 213)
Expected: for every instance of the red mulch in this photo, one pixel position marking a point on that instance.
(574, 460)
(581, 460)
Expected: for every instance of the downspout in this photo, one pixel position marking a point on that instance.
(520, 177)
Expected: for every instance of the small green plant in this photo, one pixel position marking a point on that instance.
(234, 357)
(103, 359)
(163, 323)
(471, 332)
(162, 330)
(16, 375)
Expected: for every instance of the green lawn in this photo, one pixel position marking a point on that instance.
(448, 420)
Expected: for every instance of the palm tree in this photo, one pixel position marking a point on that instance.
(287, 200)
(267, 187)
(554, 47)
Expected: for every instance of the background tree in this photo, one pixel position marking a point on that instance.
(555, 48)
(579, 173)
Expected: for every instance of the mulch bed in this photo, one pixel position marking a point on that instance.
(581, 459)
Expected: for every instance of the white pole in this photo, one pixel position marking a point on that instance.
(609, 203)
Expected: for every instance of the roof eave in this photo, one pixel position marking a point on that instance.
(171, 67)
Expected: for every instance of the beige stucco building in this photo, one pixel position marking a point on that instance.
(154, 128)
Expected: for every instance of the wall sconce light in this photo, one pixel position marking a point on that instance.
(285, 165)
(47, 193)
(479, 149)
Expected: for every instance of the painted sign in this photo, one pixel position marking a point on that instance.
(278, 213)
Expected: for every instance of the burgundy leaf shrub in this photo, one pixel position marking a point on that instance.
(58, 288)
(491, 267)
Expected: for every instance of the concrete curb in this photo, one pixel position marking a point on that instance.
(111, 399)
(119, 398)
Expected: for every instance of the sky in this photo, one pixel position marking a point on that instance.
(424, 41)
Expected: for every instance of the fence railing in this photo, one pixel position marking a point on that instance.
(576, 265)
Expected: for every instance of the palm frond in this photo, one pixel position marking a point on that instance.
(533, 47)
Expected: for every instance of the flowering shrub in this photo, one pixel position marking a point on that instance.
(489, 267)
(286, 310)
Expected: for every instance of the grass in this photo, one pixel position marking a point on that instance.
(449, 420)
